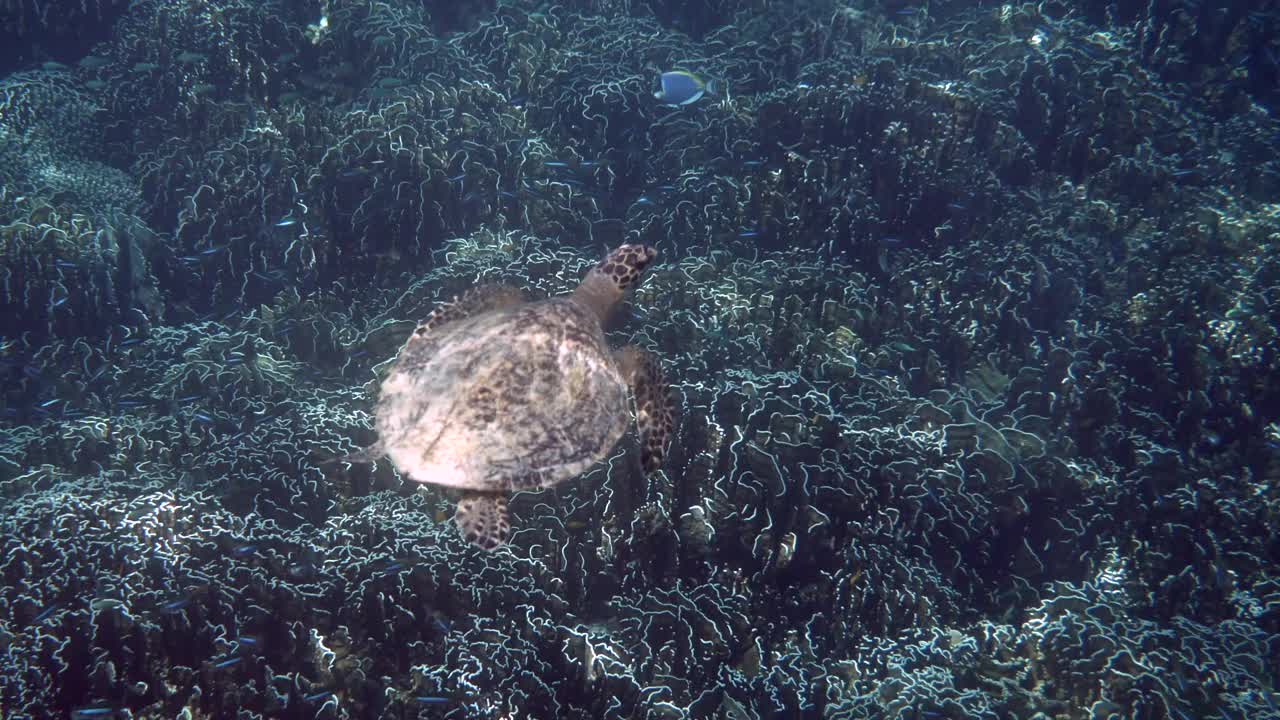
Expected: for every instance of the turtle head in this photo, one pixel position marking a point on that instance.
(613, 277)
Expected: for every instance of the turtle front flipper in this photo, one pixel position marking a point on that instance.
(482, 519)
(655, 411)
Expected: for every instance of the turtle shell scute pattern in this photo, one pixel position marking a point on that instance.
(517, 399)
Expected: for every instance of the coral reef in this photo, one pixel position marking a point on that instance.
(971, 311)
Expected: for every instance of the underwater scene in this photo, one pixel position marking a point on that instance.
(639, 359)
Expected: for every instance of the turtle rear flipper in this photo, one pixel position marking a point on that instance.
(477, 300)
(655, 412)
(482, 519)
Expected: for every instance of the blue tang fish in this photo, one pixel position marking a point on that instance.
(681, 88)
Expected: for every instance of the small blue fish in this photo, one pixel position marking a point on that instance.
(749, 234)
(228, 662)
(213, 250)
(287, 221)
(175, 606)
(244, 550)
(316, 696)
(92, 712)
(431, 699)
(45, 613)
(682, 88)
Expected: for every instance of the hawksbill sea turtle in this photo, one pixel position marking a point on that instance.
(492, 394)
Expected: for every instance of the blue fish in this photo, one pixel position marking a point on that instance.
(287, 221)
(431, 699)
(227, 663)
(681, 88)
(92, 712)
(45, 613)
(175, 606)
(316, 696)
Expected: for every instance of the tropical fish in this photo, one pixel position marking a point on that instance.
(681, 88)
(46, 613)
(96, 713)
(175, 606)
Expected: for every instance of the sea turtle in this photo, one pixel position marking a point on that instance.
(492, 394)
